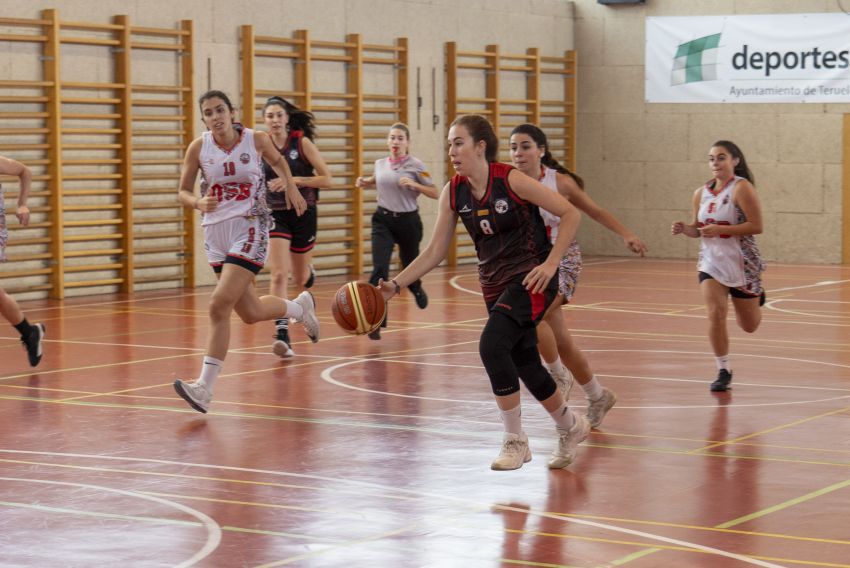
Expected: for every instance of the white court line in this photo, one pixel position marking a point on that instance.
(415, 493)
(327, 376)
(823, 283)
(213, 529)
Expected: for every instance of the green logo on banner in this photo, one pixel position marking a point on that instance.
(696, 61)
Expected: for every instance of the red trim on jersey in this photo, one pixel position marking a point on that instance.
(245, 259)
(238, 141)
(719, 191)
(456, 179)
(519, 200)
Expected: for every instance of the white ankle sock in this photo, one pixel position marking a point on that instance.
(592, 389)
(512, 419)
(293, 310)
(555, 367)
(722, 362)
(210, 371)
(563, 418)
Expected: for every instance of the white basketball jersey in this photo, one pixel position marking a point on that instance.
(552, 221)
(721, 256)
(233, 175)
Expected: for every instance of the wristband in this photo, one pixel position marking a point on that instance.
(397, 287)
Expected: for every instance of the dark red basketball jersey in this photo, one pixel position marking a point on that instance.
(508, 232)
(299, 166)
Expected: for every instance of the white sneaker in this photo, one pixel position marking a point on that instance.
(564, 380)
(597, 409)
(308, 319)
(195, 394)
(568, 441)
(515, 452)
(282, 349)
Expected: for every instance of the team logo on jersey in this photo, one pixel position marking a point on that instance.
(711, 207)
(244, 158)
(293, 154)
(465, 209)
(725, 200)
(501, 206)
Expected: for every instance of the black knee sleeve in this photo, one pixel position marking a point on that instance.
(536, 378)
(500, 335)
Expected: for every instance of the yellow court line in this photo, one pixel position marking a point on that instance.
(668, 547)
(755, 515)
(769, 430)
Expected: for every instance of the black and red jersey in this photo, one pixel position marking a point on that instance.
(300, 167)
(508, 232)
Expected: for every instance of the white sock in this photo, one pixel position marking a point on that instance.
(556, 367)
(210, 371)
(722, 362)
(563, 418)
(293, 310)
(592, 389)
(512, 419)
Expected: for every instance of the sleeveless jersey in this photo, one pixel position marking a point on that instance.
(733, 261)
(508, 232)
(299, 166)
(235, 176)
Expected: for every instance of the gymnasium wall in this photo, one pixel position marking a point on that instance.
(428, 24)
(643, 161)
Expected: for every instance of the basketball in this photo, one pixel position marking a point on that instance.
(358, 308)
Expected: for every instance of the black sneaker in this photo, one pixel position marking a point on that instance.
(724, 377)
(762, 298)
(312, 279)
(282, 346)
(421, 298)
(375, 335)
(32, 343)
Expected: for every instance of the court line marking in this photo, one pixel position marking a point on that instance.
(751, 516)
(212, 527)
(327, 376)
(420, 494)
(809, 314)
(382, 494)
(770, 430)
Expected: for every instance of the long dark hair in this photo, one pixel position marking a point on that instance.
(742, 169)
(548, 159)
(215, 95)
(298, 119)
(479, 128)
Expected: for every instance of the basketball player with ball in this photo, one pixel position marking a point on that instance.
(499, 207)
(236, 232)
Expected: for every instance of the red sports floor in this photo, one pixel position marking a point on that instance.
(376, 454)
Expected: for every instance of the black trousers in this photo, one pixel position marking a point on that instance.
(389, 229)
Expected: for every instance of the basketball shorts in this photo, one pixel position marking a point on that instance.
(299, 231)
(734, 292)
(242, 241)
(521, 305)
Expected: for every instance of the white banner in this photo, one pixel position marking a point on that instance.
(790, 58)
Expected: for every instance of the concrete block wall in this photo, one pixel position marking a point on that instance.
(643, 161)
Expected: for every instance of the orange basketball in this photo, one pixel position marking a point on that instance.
(359, 308)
